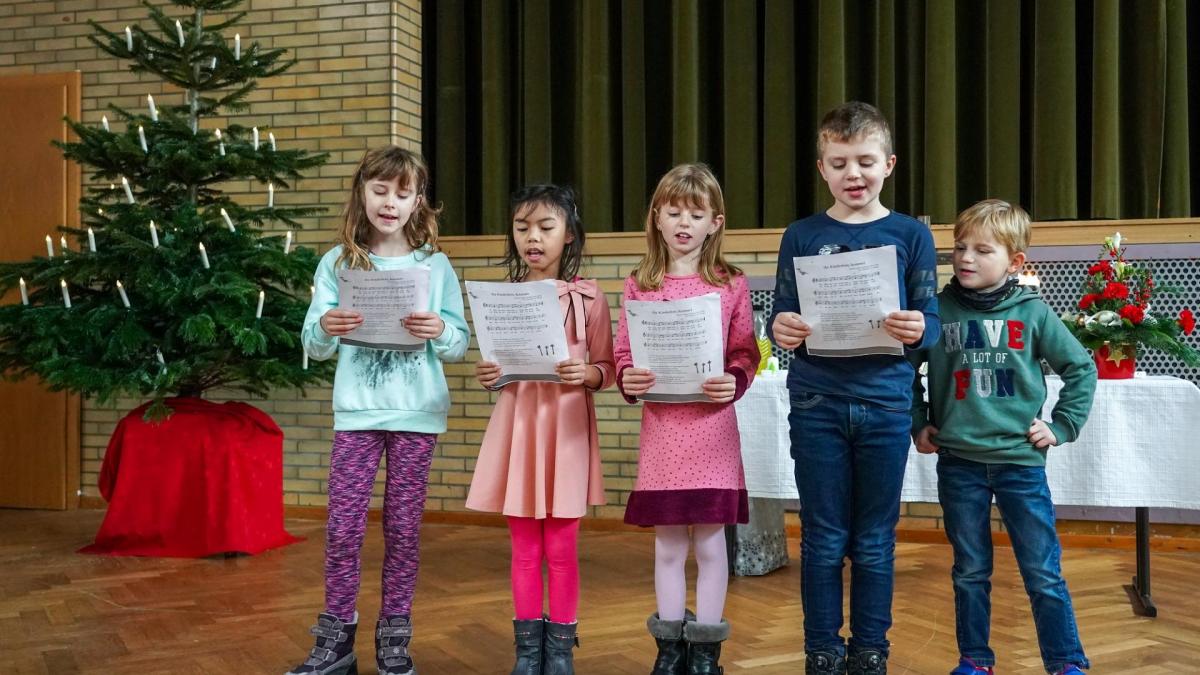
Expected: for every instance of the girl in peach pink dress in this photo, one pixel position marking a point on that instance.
(540, 460)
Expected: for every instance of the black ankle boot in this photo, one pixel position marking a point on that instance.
(558, 641)
(528, 635)
(333, 653)
(704, 646)
(392, 637)
(866, 662)
(672, 650)
(824, 663)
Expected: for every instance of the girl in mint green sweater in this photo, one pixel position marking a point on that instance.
(384, 401)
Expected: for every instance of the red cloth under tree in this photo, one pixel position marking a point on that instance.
(207, 480)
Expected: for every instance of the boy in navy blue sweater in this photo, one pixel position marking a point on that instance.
(849, 416)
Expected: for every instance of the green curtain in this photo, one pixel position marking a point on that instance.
(1076, 110)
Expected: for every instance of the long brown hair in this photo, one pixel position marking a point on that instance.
(694, 186)
(387, 163)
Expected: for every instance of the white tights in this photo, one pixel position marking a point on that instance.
(671, 543)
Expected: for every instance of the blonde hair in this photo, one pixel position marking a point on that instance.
(1007, 223)
(695, 186)
(387, 163)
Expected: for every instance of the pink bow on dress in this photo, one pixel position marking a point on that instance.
(571, 295)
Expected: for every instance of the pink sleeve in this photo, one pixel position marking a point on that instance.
(600, 340)
(741, 347)
(621, 351)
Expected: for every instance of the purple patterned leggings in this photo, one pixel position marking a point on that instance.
(352, 467)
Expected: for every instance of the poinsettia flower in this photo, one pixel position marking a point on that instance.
(1187, 322)
(1088, 300)
(1133, 313)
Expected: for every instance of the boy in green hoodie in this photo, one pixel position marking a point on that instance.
(986, 393)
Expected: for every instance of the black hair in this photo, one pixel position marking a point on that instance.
(561, 199)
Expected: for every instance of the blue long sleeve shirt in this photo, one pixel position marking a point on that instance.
(883, 380)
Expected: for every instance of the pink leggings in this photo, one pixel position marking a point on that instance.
(553, 540)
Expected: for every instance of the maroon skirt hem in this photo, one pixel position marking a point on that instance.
(701, 506)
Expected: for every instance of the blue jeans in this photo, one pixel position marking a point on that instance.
(850, 457)
(965, 490)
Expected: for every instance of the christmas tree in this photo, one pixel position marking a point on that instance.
(170, 287)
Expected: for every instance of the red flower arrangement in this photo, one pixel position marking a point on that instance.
(1115, 309)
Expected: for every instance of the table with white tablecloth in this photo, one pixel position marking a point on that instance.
(1139, 448)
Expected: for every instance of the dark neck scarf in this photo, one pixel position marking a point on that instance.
(981, 300)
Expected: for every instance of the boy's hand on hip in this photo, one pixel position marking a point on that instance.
(720, 389)
(424, 325)
(1040, 435)
(337, 322)
(487, 373)
(924, 440)
(636, 381)
(790, 330)
(906, 326)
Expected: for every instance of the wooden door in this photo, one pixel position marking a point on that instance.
(39, 190)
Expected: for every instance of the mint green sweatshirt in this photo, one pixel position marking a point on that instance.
(380, 389)
(986, 384)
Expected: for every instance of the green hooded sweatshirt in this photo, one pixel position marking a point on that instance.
(986, 384)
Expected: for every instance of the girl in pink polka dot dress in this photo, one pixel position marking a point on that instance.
(690, 461)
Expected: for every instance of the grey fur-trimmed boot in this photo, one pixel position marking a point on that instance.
(527, 635)
(672, 649)
(333, 653)
(704, 646)
(392, 637)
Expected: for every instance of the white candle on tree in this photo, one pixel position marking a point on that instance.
(66, 293)
(91, 240)
(153, 110)
(237, 46)
(254, 132)
(179, 31)
(24, 292)
(124, 298)
(228, 221)
(128, 39)
(62, 242)
(220, 143)
(287, 243)
(262, 296)
(158, 356)
(49, 247)
(142, 139)
(104, 122)
(153, 234)
(203, 256)
(271, 138)
(128, 190)
(304, 362)
(270, 195)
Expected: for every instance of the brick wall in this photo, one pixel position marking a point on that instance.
(356, 85)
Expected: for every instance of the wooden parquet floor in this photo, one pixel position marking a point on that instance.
(61, 612)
